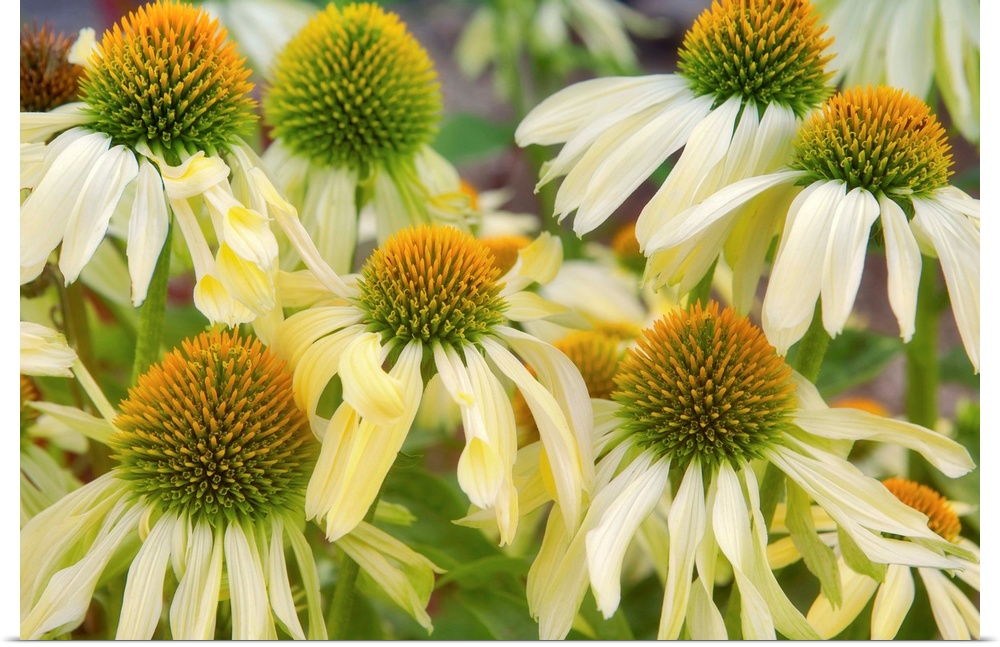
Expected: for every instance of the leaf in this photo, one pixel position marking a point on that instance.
(853, 358)
(465, 137)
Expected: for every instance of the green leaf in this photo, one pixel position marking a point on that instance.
(856, 560)
(956, 367)
(484, 614)
(819, 557)
(466, 137)
(853, 358)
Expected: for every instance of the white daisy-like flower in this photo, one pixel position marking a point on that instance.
(354, 103)
(748, 73)
(163, 101)
(213, 457)
(913, 45)
(431, 301)
(703, 400)
(956, 616)
(872, 163)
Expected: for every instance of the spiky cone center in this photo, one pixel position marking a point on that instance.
(765, 51)
(213, 431)
(941, 517)
(431, 283)
(48, 79)
(505, 250)
(29, 393)
(704, 383)
(879, 139)
(596, 354)
(354, 88)
(166, 76)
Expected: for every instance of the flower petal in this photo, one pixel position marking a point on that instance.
(892, 602)
(374, 393)
(856, 589)
(247, 590)
(143, 598)
(902, 258)
(192, 613)
(147, 229)
(686, 522)
(845, 256)
(44, 351)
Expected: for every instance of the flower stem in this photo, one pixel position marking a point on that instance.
(152, 313)
(921, 353)
(812, 347)
(343, 595)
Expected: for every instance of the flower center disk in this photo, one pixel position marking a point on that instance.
(941, 517)
(766, 51)
(880, 139)
(704, 384)
(432, 283)
(48, 79)
(168, 77)
(213, 431)
(354, 88)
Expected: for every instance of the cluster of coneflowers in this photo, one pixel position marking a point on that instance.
(609, 404)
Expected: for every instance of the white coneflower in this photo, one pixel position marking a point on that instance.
(354, 103)
(956, 616)
(748, 73)
(162, 104)
(915, 45)
(872, 162)
(431, 300)
(213, 457)
(703, 398)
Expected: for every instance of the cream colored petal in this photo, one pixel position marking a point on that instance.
(909, 57)
(539, 262)
(245, 281)
(373, 392)
(405, 575)
(557, 579)
(318, 366)
(950, 620)
(902, 258)
(192, 613)
(147, 229)
(192, 177)
(143, 597)
(529, 306)
(853, 424)
(845, 256)
(40, 127)
(396, 202)
(310, 581)
(797, 275)
(856, 590)
(67, 595)
(643, 484)
(301, 330)
(248, 233)
(686, 522)
(247, 590)
(892, 602)
(214, 300)
(279, 590)
(558, 117)
(44, 351)
(324, 486)
(331, 215)
(614, 167)
(49, 208)
(704, 620)
(956, 241)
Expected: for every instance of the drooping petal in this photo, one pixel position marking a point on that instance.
(192, 613)
(856, 590)
(902, 258)
(143, 598)
(892, 602)
(310, 581)
(279, 590)
(247, 590)
(845, 256)
(686, 522)
(373, 392)
(952, 610)
(797, 275)
(331, 215)
(44, 351)
(147, 229)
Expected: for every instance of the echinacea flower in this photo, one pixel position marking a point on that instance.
(703, 400)
(872, 163)
(48, 78)
(156, 131)
(213, 457)
(956, 616)
(354, 103)
(748, 73)
(430, 301)
(913, 45)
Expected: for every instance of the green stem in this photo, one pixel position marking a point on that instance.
(812, 347)
(703, 290)
(77, 326)
(921, 352)
(152, 313)
(343, 595)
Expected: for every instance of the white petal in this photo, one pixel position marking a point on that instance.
(686, 522)
(909, 59)
(956, 241)
(797, 274)
(192, 177)
(856, 591)
(892, 602)
(950, 619)
(845, 256)
(902, 258)
(143, 598)
(247, 590)
(642, 486)
(44, 351)
(38, 127)
(373, 392)
(47, 211)
(147, 229)
(331, 215)
(279, 590)
(192, 613)
(310, 581)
